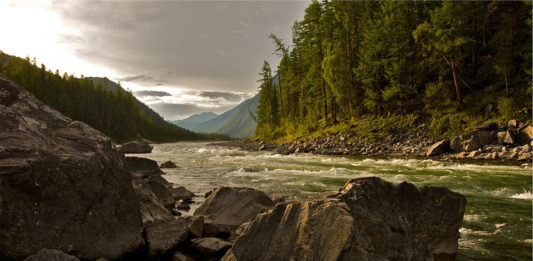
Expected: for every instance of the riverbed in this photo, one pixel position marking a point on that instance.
(498, 220)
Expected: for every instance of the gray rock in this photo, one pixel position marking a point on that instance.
(161, 189)
(210, 246)
(512, 123)
(62, 181)
(525, 135)
(181, 193)
(165, 236)
(369, 219)
(143, 166)
(438, 148)
(456, 144)
(135, 147)
(226, 208)
(179, 256)
(168, 165)
(195, 225)
(152, 209)
(477, 140)
(510, 137)
(51, 255)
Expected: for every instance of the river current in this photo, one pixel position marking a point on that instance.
(498, 220)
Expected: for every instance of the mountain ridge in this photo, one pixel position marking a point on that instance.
(238, 122)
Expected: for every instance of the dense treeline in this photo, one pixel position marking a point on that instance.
(113, 112)
(451, 64)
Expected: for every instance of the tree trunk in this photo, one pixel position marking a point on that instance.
(280, 95)
(457, 89)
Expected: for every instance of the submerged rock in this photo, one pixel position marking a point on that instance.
(135, 147)
(226, 208)
(62, 184)
(168, 165)
(369, 219)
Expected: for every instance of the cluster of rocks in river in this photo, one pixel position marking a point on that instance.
(510, 141)
(66, 193)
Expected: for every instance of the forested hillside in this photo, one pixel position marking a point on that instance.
(451, 65)
(113, 112)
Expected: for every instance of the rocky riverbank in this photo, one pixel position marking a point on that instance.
(509, 141)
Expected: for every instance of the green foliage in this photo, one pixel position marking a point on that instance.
(506, 107)
(362, 63)
(111, 111)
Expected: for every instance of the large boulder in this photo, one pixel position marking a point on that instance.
(472, 141)
(152, 208)
(181, 193)
(62, 184)
(525, 135)
(369, 219)
(477, 140)
(439, 148)
(142, 166)
(51, 255)
(135, 147)
(226, 208)
(162, 237)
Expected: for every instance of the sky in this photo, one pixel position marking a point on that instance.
(178, 57)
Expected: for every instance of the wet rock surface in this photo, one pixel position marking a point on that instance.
(62, 181)
(369, 219)
(135, 147)
(226, 208)
(168, 165)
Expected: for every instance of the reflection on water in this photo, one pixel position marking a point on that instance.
(497, 222)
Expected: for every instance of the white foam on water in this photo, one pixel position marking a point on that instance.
(466, 231)
(524, 195)
(473, 217)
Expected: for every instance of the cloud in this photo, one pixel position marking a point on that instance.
(214, 48)
(229, 96)
(132, 78)
(151, 93)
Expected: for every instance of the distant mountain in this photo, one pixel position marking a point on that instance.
(238, 122)
(197, 118)
(111, 86)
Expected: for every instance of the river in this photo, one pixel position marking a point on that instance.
(498, 220)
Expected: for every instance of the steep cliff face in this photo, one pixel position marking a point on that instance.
(62, 184)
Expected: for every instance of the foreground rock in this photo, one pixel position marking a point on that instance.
(136, 147)
(226, 208)
(142, 166)
(165, 236)
(51, 255)
(369, 219)
(62, 185)
(211, 246)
